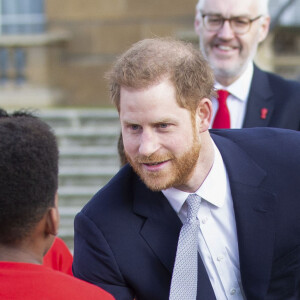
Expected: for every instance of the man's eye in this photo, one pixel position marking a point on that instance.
(163, 125)
(214, 20)
(241, 22)
(134, 127)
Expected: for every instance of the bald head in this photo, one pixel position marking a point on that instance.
(263, 5)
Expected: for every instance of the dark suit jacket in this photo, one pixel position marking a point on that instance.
(279, 96)
(126, 236)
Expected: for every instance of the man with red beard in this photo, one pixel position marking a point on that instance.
(196, 214)
(229, 34)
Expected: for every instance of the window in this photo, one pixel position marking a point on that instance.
(18, 17)
(22, 16)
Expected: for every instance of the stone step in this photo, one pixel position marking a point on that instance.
(81, 175)
(87, 137)
(77, 118)
(90, 132)
(78, 191)
(80, 156)
(87, 171)
(89, 162)
(76, 196)
(87, 140)
(91, 151)
(83, 180)
(86, 115)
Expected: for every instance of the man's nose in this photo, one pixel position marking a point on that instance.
(148, 143)
(226, 32)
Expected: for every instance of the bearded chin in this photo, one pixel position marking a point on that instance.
(176, 174)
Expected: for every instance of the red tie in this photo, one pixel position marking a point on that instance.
(222, 118)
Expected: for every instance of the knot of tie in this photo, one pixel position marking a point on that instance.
(193, 202)
(222, 96)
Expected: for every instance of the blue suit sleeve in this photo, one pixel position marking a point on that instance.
(94, 260)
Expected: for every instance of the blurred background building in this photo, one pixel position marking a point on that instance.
(53, 57)
(55, 52)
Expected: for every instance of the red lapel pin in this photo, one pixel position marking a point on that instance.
(263, 113)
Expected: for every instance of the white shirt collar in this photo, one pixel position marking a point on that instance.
(241, 87)
(213, 189)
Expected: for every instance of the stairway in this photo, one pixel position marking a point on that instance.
(87, 141)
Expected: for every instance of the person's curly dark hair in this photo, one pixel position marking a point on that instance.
(28, 173)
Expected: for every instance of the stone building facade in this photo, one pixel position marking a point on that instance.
(64, 64)
(99, 31)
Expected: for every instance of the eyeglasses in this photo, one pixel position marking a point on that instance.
(239, 25)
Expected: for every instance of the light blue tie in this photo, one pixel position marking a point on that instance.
(185, 271)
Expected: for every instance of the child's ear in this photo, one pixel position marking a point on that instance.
(52, 221)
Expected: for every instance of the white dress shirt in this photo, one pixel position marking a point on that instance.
(218, 246)
(237, 100)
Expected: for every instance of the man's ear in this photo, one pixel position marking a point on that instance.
(197, 22)
(264, 28)
(204, 114)
(52, 218)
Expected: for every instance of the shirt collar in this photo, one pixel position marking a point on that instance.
(208, 191)
(241, 87)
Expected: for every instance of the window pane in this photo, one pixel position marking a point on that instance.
(22, 16)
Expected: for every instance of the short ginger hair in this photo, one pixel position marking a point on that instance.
(149, 61)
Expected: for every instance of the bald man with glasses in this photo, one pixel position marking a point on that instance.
(229, 34)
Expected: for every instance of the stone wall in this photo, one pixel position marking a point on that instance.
(100, 30)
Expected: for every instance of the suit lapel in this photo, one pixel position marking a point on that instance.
(254, 212)
(161, 231)
(260, 103)
(162, 225)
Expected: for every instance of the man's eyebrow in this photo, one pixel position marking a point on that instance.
(171, 120)
(159, 121)
(210, 13)
(129, 122)
(220, 15)
(165, 120)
